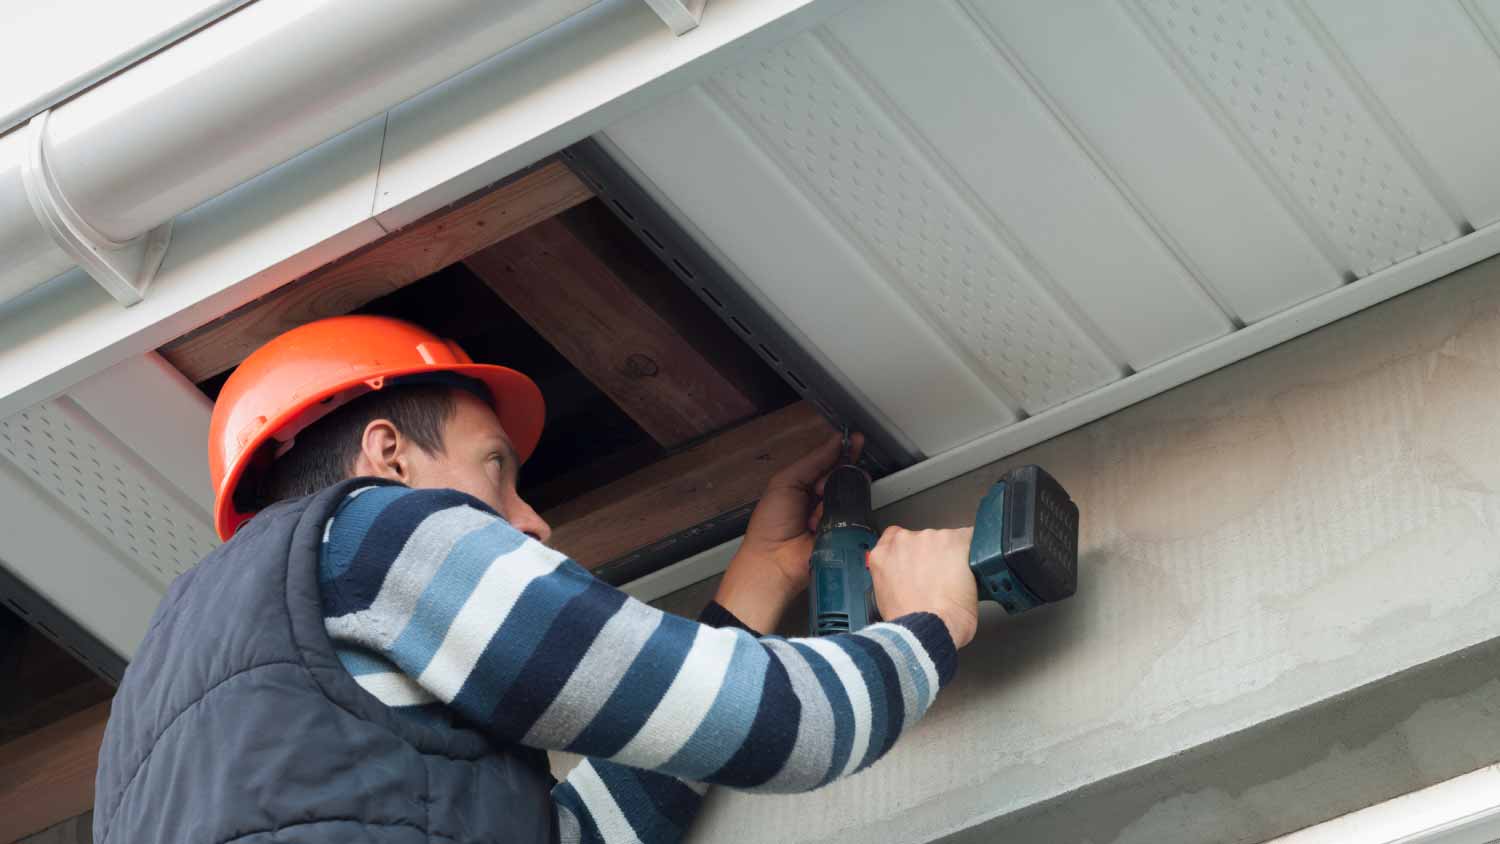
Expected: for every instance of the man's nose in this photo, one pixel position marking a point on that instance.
(528, 522)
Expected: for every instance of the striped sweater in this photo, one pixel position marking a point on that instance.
(438, 607)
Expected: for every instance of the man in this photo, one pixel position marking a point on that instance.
(384, 647)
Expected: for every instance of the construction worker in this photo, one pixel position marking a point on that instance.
(384, 648)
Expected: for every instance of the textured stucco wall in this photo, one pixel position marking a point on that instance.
(1290, 572)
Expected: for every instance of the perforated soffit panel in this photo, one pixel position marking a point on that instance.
(981, 211)
(105, 494)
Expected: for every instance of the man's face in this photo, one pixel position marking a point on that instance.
(478, 459)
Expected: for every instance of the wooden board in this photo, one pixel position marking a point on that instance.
(48, 776)
(391, 263)
(633, 352)
(713, 477)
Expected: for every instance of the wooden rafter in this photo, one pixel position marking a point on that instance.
(390, 263)
(719, 475)
(636, 353)
(47, 776)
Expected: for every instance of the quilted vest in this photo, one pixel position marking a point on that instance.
(235, 722)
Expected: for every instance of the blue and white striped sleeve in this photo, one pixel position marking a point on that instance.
(603, 802)
(520, 639)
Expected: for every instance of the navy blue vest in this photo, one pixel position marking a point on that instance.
(236, 722)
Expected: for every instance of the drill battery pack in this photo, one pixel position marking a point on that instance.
(1025, 547)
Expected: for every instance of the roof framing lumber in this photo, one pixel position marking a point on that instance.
(603, 322)
(48, 776)
(717, 476)
(388, 264)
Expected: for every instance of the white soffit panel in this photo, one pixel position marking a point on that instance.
(1024, 170)
(1286, 94)
(947, 262)
(1052, 197)
(1433, 70)
(799, 261)
(1126, 102)
(73, 566)
(82, 467)
(105, 495)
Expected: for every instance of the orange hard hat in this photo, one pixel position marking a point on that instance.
(306, 373)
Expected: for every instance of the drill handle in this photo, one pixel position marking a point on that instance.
(842, 595)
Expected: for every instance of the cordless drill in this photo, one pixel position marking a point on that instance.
(1024, 552)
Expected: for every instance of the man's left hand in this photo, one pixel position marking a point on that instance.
(771, 567)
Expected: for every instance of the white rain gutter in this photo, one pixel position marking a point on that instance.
(97, 181)
(50, 58)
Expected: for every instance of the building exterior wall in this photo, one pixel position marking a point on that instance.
(1288, 576)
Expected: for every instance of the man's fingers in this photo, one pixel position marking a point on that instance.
(815, 464)
(817, 516)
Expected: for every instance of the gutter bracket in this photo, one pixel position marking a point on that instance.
(681, 15)
(125, 269)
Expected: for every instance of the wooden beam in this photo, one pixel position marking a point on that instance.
(714, 477)
(633, 352)
(443, 238)
(47, 776)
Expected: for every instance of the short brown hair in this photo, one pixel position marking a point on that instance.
(325, 452)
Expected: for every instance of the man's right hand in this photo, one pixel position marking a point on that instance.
(927, 571)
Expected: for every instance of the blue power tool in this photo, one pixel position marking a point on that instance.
(1024, 552)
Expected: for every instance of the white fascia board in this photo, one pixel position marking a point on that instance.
(469, 132)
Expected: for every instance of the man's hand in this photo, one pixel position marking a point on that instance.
(771, 567)
(927, 571)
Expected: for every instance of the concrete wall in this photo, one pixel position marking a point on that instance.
(1287, 608)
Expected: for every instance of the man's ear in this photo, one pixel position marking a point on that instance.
(383, 452)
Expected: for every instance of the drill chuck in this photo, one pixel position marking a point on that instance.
(846, 500)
